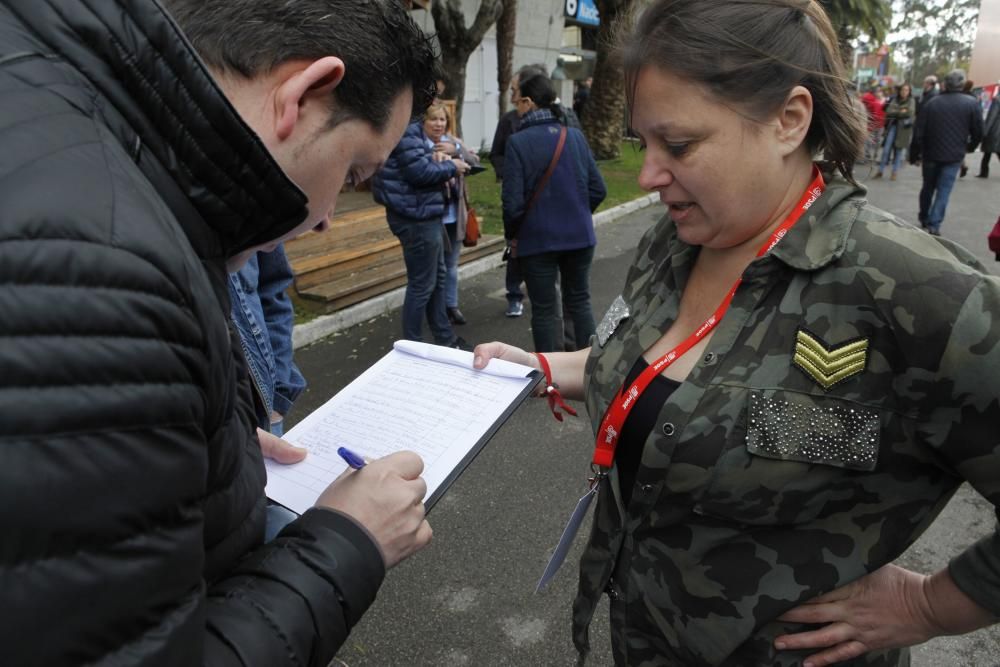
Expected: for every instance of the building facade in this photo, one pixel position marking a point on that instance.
(547, 30)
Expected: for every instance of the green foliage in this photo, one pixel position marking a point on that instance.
(934, 36)
(854, 18)
(619, 175)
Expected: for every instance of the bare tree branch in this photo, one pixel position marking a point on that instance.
(458, 42)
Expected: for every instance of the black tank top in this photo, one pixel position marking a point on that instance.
(639, 425)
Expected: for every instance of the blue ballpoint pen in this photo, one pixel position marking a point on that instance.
(351, 458)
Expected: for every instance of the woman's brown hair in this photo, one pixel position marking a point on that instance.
(750, 54)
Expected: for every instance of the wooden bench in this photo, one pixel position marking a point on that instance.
(356, 259)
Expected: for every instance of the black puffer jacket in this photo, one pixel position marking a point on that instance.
(948, 126)
(131, 482)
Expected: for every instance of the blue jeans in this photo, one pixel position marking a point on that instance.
(939, 179)
(572, 267)
(423, 253)
(451, 265)
(890, 139)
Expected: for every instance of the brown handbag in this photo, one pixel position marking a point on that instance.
(471, 228)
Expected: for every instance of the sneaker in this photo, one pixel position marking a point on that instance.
(893, 177)
(455, 316)
(460, 344)
(877, 176)
(514, 309)
(982, 175)
(933, 232)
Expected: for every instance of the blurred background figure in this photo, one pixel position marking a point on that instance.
(874, 102)
(899, 115)
(582, 96)
(991, 137)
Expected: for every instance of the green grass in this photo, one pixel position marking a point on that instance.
(619, 175)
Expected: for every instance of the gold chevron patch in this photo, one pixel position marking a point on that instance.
(829, 365)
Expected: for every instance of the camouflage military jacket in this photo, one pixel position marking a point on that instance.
(848, 391)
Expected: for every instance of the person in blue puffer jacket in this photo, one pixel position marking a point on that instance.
(555, 238)
(411, 187)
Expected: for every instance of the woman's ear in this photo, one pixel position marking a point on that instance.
(309, 83)
(795, 118)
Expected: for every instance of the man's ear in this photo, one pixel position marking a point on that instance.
(315, 81)
(794, 118)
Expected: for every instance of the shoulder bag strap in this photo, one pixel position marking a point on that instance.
(543, 182)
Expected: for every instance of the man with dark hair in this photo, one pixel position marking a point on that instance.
(948, 126)
(136, 167)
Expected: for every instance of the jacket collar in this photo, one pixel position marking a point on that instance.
(159, 100)
(537, 117)
(820, 236)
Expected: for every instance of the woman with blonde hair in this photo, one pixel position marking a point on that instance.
(436, 123)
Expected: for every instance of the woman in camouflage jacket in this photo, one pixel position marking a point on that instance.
(767, 478)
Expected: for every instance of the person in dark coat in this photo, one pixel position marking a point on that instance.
(555, 236)
(929, 91)
(137, 168)
(991, 137)
(507, 126)
(948, 127)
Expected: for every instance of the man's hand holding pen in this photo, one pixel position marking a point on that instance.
(385, 496)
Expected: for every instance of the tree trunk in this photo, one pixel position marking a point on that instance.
(458, 42)
(603, 123)
(506, 29)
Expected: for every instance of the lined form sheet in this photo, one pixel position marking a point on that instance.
(427, 399)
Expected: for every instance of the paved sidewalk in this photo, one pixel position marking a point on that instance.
(468, 598)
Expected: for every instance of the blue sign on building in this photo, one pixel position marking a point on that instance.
(583, 11)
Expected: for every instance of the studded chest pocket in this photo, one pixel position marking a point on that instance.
(791, 458)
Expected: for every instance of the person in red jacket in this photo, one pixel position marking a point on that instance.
(874, 101)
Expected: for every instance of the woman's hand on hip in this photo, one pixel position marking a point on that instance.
(889, 608)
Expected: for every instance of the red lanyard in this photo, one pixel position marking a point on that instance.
(625, 400)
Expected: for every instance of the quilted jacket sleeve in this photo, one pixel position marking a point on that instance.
(417, 166)
(294, 600)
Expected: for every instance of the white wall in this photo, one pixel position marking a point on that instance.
(480, 113)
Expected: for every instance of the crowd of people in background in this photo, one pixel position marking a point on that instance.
(938, 129)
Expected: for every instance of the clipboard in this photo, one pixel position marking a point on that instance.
(425, 398)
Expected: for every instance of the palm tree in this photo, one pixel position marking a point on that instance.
(853, 18)
(604, 121)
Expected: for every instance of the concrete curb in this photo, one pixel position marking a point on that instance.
(324, 325)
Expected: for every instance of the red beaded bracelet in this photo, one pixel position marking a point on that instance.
(552, 390)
